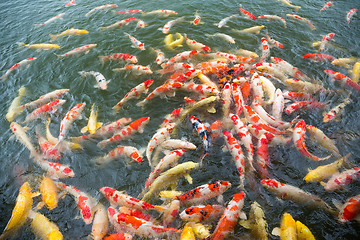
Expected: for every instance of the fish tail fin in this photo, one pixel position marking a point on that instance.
(52, 37)
(117, 107)
(102, 28)
(84, 129)
(160, 209)
(37, 25)
(3, 78)
(297, 8)
(142, 103)
(21, 44)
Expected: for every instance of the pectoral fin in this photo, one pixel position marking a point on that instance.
(84, 129)
(188, 178)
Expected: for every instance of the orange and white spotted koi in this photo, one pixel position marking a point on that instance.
(120, 151)
(273, 17)
(298, 96)
(165, 89)
(136, 69)
(180, 57)
(77, 51)
(350, 209)
(196, 45)
(103, 7)
(262, 156)
(289, 69)
(202, 213)
(160, 57)
(118, 24)
(319, 57)
(83, 200)
(117, 198)
(126, 132)
(273, 140)
(59, 16)
(299, 140)
(119, 56)
(340, 180)
(47, 148)
(159, 137)
(350, 14)
(237, 154)
(201, 89)
(176, 67)
(302, 105)
(183, 77)
(135, 43)
(257, 88)
(141, 23)
(204, 134)
(265, 49)
(128, 11)
(301, 19)
(55, 170)
(46, 98)
(207, 68)
(342, 80)
(197, 19)
(273, 42)
(335, 112)
(21, 135)
(238, 98)
(204, 192)
(327, 5)
(325, 40)
(139, 226)
(18, 65)
(134, 93)
(247, 14)
(171, 117)
(136, 213)
(70, 3)
(278, 104)
(169, 24)
(230, 217)
(226, 100)
(45, 110)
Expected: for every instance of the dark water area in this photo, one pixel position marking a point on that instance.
(49, 73)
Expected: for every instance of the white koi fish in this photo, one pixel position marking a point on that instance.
(225, 20)
(15, 108)
(118, 24)
(223, 36)
(22, 63)
(135, 43)
(251, 30)
(21, 135)
(301, 19)
(100, 225)
(59, 16)
(196, 45)
(101, 82)
(162, 12)
(288, 3)
(274, 17)
(77, 51)
(103, 7)
(169, 24)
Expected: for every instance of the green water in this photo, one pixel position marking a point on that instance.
(49, 73)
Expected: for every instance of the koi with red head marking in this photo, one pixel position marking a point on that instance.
(246, 13)
(350, 14)
(327, 5)
(202, 213)
(350, 209)
(163, 90)
(121, 151)
(196, 45)
(318, 57)
(325, 40)
(329, 116)
(262, 154)
(171, 117)
(238, 97)
(55, 170)
(135, 43)
(342, 80)
(340, 180)
(119, 56)
(203, 132)
(289, 69)
(180, 57)
(273, 17)
(24, 62)
(169, 24)
(302, 105)
(265, 49)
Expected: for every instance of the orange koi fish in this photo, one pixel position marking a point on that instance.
(246, 13)
(350, 209)
(202, 213)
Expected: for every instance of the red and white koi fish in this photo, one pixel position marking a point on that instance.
(59, 16)
(139, 226)
(265, 49)
(273, 17)
(256, 87)
(278, 105)
(119, 56)
(117, 198)
(171, 213)
(297, 195)
(70, 3)
(204, 134)
(180, 57)
(165, 89)
(226, 100)
(136, 213)
(273, 140)
(141, 23)
(67, 121)
(208, 68)
(136, 69)
(171, 117)
(342, 80)
(135, 43)
(176, 144)
(298, 96)
(289, 69)
(163, 12)
(273, 42)
(176, 67)
(302, 19)
(103, 7)
(169, 24)
(350, 14)
(160, 56)
(299, 140)
(202, 213)
(77, 51)
(159, 137)
(182, 78)
(327, 5)
(118, 24)
(55, 170)
(196, 45)
(21, 135)
(204, 192)
(45, 110)
(230, 217)
(126, 132)
(262, 156)
(22, 63)
(350, 209)
(302, 105)
(46, 98)
(47, 148)
(325, 40)
(101, 82)
(100, 226)
(335, 112)
(319, 57)
(238, 98)
(247, 14)
(201, 89)
(83, 200)
(120, 151)
(119, 235)
(197, 19)
(225, 20)
(340, 180)
(267, 117)
(134, 93)
(128, 11)
(237, 154)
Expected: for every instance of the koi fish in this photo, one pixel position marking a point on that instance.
(118, 24)
(171, 213)
(180, 57)
(187, 232)
(288, 3)
(141, 24)
(169, 24)
(247, 53)
(287, 228)
(230, 217)
(320, 137)
(55, 170)
(225, 20)
(100, 223)
(120, 151)
(262, 156)
(223, 36)
(18, 65)
(160, 56)
(290, 69)
(136, 213)
(128, 11)
(45, 110)
(43, 227)
(170, 43)
(46, 98)
(83, 200)
(265, 49)
(327, 5)
(299, 140)
(119, 236)
(39, 46)
(101, 82)
(340, 180)
(47, 147)
(197, 19)
(325, 171)
(196, 45)
(256, 223)
(136, 69)
(247, 14)
(251, 30)
(204, 192)
(303, 232)
(273, 42)
(49, 193)
(126, 132)
(303, 86)
(197, 105)
(177, 144)
(119, 56)
(336, 111)
(163, 12)
(15, 107)
(349, 210)
(318, 57)
(93, 124)
(350, 14)
(59, 16)
(70, 3)
(274, 17)
(171, 117)
(301, 19)
(77, 51)
(289, 192)
(204, 134)
(69, 32)
(278, 104)
(342, 80)
(325, 40)
(135, 43)
(103, 7)
(202, 213)
(267, 117)
(21, 135)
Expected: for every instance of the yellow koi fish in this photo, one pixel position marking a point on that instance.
(54, 140)
(355, 75)
(93, 124)
(39, 46)
(43, 227)
(170, 43)
(187, 233)
(49, 193)
(344, 62)
(15, 107)
(287, 2)
(69, 32)
(253, 30)
(303, 232)
(256, 223)
(287, 230)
